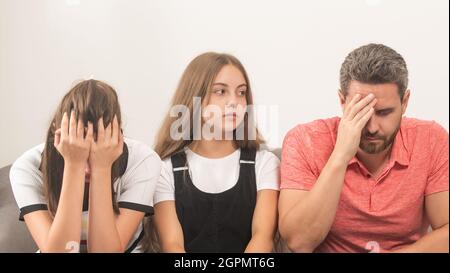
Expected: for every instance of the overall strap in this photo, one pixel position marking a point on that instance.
(247, 157)
(179, 166)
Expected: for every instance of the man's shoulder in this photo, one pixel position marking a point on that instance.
(318, 130)
(424, 136)
(315, 139)
(418, 127)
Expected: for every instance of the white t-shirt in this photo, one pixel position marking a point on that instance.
(219, 174)
(134, 189)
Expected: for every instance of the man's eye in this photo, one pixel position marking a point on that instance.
(383, 113)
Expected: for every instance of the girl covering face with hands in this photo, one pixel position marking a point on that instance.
(87, 188)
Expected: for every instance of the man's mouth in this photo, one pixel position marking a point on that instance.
(372, 138)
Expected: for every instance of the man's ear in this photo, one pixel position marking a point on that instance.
(405, 101)
(341, 99)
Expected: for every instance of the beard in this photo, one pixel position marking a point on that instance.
(381, 144)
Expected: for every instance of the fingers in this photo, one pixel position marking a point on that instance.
(363, 111)
(352, 102)
(90, 132)
(64, 126)
(100, 130)
(115, 130)
(108, 132)
(80, 129)
(57, 137)
(365, 118)
(111, 132)
(359, 105)
(72, 126)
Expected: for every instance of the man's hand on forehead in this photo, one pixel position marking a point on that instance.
(361, 95)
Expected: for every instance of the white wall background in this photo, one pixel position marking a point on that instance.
(292, 50)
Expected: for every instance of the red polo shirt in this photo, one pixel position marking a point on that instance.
(387, 212)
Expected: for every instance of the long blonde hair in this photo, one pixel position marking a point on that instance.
(197, 81)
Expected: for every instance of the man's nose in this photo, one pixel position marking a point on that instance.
(372, 126)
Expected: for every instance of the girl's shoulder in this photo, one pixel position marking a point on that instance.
(264, 155)
(25, 175)
(30, 159)
(139, 151)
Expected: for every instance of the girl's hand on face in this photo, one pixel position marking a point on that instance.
(108, 147)
(71, 142)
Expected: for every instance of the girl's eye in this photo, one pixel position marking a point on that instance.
(219, 91)
(242, 92)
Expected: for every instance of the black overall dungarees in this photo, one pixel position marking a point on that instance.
(216, 222)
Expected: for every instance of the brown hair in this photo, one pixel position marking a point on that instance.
(197, 81)
(90, 100)
(374, 64)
